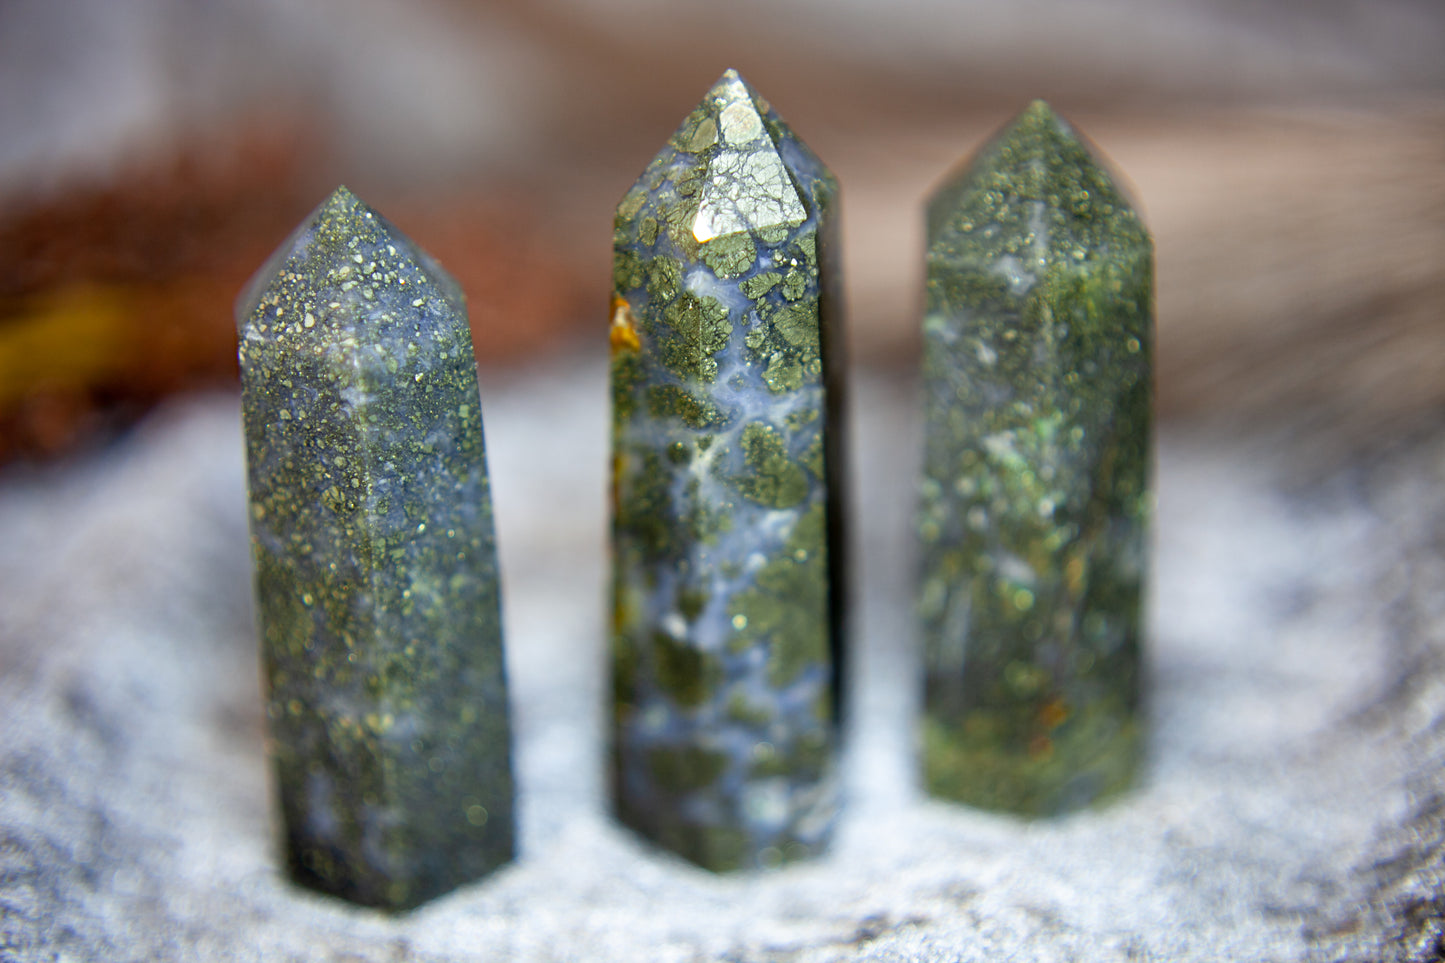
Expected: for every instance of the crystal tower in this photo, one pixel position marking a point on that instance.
(376, 571)
(728, 556)
(1035, 496)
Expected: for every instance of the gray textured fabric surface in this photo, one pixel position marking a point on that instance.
(1290, 810)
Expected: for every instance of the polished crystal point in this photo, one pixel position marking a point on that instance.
(376, 570)
(726, 455)
(1035, 498)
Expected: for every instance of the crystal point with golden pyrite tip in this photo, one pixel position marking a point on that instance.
(1035, 502)
(376, 571)
(727, 426)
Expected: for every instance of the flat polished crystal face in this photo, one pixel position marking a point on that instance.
(726, 430)
(1035, 496)
(376, 577)
(746, 188)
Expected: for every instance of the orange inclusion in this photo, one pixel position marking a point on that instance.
(624, 331)
(1052, 715)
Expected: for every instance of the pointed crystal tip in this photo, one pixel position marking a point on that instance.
(746, 186)
(340, 203)
(342, 195)
(339, 206)
(1039, 134)
(1039, 131)
(322, 242)
(1038, 157)
(1039, 112)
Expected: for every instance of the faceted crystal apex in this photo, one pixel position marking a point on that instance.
(747, 187)
(328, 238)
(726, 166)
(739, 110)
(1037, 159)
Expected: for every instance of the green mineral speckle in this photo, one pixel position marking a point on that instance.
(687, 184)
(704, 519)
(631, 204)
(704, 135)
(794, 285)
(670, 401)
(772, 478)
(783, 374)
(798, 326)
(729, 255)
(798, 420)
(664, 275)
(790, 587)
(813, 457)
(627, 375)
(628, 271)
(645, 513)
(699, 330)
(759, 284)
(807, 246)
(691, 602)
(697, 133)
(789, 344)
(689, 674)
(624, 672)
(687, 768)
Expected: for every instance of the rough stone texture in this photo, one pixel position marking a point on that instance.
(376, 571)
(1393, 906)
(1034, 505)
(728, 563)
(1288, 809)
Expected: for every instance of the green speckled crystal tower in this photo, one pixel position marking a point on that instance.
(1035, 502)
(727, 426)
(376, 570)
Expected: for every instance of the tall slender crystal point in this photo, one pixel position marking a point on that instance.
(1035, 500)
(726, 406)
(376, 571)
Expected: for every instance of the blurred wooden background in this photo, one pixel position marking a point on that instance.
(1289, 157)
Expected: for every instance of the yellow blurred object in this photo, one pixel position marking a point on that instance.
(69, 339)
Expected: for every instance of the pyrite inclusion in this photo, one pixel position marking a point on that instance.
(1035, 500)
(376, 571)
(726, 431)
